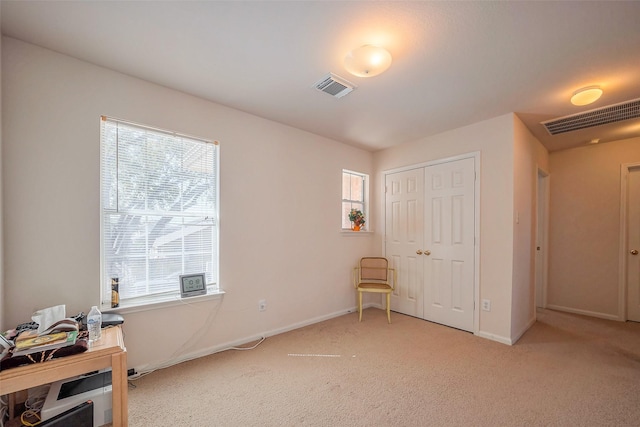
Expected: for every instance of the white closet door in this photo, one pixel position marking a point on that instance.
(404, 237)
(449, 241)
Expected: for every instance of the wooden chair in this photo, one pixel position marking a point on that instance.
(373, 274)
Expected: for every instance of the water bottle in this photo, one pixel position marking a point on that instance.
(94, 324)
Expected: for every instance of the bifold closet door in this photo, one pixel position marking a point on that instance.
(449, 242)
(404, 233)
(429, 239)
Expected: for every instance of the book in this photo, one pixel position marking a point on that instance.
(27, 335)
(35, 344)
(64, 325)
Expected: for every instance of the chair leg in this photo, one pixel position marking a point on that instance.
(360, 306)
(389, 307)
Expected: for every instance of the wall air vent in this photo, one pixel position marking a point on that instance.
(600, 116)
(334, 85)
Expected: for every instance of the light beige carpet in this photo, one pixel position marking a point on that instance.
(567, 370)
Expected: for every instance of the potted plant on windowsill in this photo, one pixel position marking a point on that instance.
(357, 219)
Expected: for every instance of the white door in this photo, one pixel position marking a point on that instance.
(541, 237)
(449, 243)
(430, 229)
(404, 236)
(633, 240)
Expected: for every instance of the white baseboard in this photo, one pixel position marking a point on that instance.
(516, 337)
(494, 337)
(311, 321)
(144, 369)
(585, 312)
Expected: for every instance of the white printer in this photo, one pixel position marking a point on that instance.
(66, 394)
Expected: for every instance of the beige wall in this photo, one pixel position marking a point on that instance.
(279, 217)
(585, 227)
(529, 155)
(269, 172)
(494, 140)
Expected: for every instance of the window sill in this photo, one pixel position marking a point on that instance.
(156, 302)
(357, 233)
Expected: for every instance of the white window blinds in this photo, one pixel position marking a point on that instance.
(353, 195)
(159, 197)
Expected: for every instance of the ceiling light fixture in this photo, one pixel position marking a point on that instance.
(367, 61)
(586, 95)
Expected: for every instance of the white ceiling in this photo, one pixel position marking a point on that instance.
(454, 63)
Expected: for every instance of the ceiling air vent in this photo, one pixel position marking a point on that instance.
(600, 116)
(334, 85)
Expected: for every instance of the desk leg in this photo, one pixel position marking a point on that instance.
(119, 389)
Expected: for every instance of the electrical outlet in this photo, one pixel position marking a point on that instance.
(262, 305)
(486, 304)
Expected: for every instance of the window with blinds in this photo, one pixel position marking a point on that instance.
(159, 214)
(354, 195)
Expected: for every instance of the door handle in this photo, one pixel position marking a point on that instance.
(419, 252)
(427, 253)
(634, 251)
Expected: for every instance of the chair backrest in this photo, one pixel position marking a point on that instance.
(374, 268)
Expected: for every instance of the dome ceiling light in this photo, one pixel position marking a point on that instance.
(367, 61)
(586, 95)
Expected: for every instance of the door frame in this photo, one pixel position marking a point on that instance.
(475, 155)
(543, 188)
(622, 281)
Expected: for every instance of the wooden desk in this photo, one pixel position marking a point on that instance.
(108, 352)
